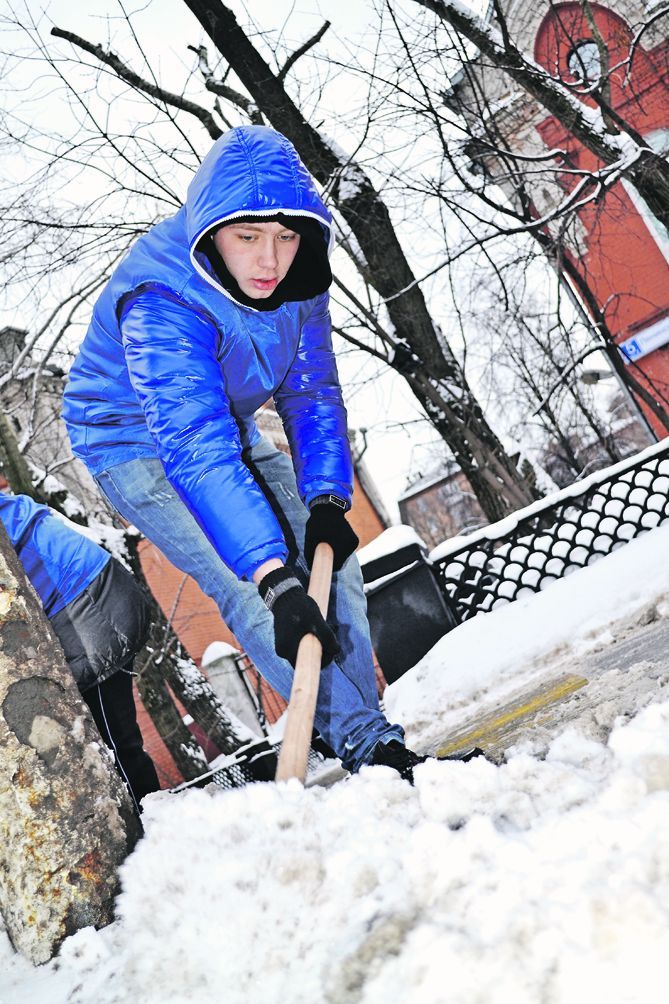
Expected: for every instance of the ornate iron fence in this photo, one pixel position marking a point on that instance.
(555, 536)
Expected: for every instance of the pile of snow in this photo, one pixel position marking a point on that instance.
(539, 880)
(391, 540)
(534, 881)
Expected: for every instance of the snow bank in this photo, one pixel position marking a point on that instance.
(534, 881)
(540, 880)
(391, 540)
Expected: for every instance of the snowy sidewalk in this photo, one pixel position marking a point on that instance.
(552, 638)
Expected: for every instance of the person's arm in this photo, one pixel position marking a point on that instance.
(311, 407)
(171, 354)
(265, 569)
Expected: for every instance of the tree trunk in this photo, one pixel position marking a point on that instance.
(493, 476)
(66, 820)
(448, 400)
(196, 694)
(182, 745)
(14, 465)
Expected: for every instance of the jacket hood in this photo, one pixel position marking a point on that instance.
(252, 171)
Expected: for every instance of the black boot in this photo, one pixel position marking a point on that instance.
(319, 744)
(394, 754)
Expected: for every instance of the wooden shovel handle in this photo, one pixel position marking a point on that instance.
(300, 715)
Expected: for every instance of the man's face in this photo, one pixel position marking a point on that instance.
(257, 255)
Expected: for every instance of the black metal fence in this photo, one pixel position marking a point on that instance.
(555, 536)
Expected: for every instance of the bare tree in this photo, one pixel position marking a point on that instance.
(615, 142)
(484, 126)
(384, 310)
(418, 348)
(532, 356)
(410, 340)
(466, 174)
(164, 666)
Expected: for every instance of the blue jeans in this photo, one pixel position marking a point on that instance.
(347, 711)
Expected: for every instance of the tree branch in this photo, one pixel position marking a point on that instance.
(249, 107)
(309, 44)
(132, 78)
(646, 169)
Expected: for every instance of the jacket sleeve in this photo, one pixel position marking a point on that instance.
(171, 354)
(312, 410)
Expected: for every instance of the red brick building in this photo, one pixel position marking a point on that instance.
(625, 252)
(615, 243)
(618, 247)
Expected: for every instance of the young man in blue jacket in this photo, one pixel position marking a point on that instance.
(211, 313)
(99, 615)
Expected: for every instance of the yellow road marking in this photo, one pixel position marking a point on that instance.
(493, 727)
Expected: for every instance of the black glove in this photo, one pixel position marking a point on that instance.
(327, 524)
(295, 614)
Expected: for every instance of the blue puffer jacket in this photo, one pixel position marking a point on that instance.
(59, 562)
(173, 366)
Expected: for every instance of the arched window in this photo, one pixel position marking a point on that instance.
(565, 46)
(584, 63)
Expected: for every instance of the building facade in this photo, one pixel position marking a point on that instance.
(441, 507)
(617, 246)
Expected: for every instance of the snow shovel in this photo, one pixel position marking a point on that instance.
(303, 694)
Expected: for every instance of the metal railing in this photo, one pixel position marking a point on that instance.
(555, 536)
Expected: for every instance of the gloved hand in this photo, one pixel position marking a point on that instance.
(327, 524)
(295, 614)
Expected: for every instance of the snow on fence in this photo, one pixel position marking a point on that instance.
(555, 536)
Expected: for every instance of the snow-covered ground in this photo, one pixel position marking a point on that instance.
(541, 881)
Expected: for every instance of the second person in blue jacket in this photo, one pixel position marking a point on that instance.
(101, 618)
(211, 313)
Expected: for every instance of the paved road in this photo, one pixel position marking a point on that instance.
(646, 643)
(593, 691)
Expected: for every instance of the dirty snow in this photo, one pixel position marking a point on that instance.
(541, 880)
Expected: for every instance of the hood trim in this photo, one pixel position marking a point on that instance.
(246, 213)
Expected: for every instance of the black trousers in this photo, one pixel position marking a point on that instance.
(101, 631)
(112, 705)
